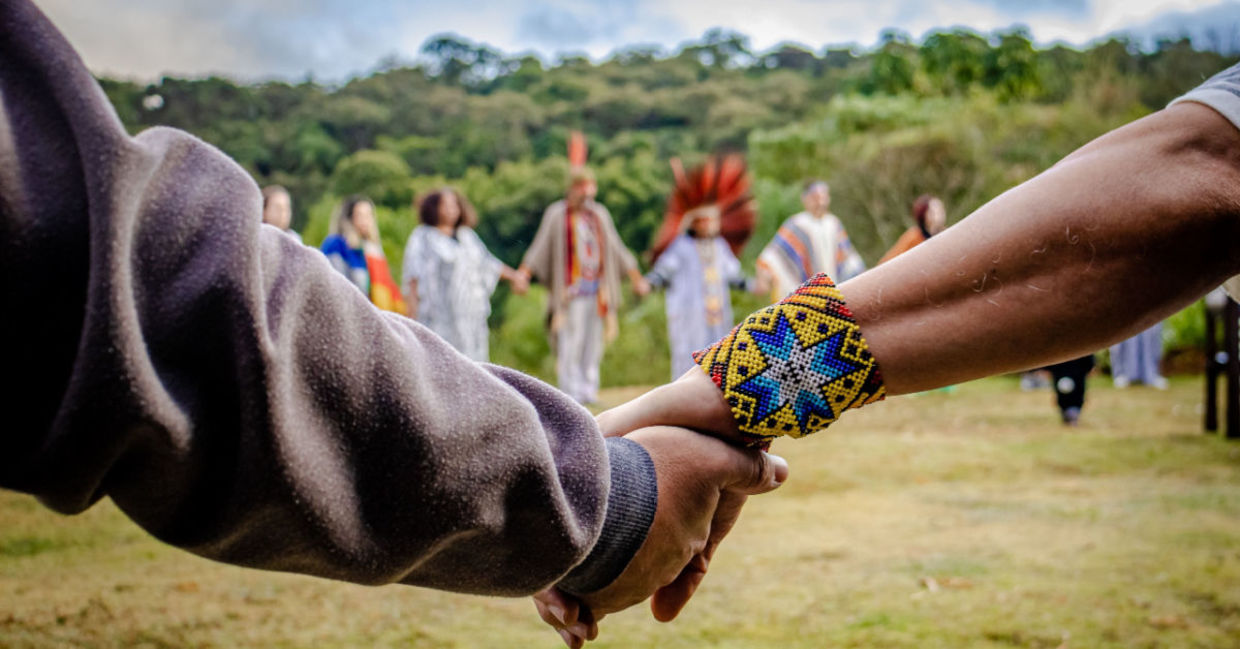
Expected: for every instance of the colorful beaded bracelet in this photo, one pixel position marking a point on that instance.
(793, 367)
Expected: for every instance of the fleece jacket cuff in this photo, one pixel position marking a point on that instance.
(631, 504)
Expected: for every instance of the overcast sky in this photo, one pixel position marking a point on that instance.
(334, 39)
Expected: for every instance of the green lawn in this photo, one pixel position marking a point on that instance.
(961, 519)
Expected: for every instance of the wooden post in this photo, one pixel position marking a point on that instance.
(1212, 367)
(1231, 343)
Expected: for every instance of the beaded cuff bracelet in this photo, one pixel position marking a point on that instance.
(793, 367)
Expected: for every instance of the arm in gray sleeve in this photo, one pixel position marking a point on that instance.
(237, 397)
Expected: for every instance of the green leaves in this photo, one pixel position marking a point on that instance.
(961, 114)
(381, 175)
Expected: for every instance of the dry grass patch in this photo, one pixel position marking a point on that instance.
(951, 519)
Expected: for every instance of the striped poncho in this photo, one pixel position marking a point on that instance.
(804, 246)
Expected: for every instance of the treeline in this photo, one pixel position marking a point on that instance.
(961, 114)
(469, 109)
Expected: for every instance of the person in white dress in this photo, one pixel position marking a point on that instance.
(449, 275)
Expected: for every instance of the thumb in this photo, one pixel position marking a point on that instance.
(756, 472)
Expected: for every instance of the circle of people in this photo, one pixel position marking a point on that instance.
(449, 275)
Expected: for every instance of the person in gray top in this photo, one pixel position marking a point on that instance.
(238, 398)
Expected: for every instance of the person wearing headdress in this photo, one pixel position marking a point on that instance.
(929, 219)
(354, 250)
(710, 216)
(580, 257)
(449, 274)
(808, 243)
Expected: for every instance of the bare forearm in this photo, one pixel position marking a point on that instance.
(1118, 235)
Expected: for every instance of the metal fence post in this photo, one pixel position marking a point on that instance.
(1212, 367)
(1231, 343)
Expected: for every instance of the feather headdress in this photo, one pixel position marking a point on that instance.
(577, 150)
(722, 181)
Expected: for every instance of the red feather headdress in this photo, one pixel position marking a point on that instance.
(576, 150)
(722, 181)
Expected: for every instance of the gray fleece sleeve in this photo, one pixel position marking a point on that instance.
(238, 398)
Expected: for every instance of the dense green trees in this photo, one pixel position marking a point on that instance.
(468, 106)
(961, 114)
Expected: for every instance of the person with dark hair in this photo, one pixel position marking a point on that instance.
(448, 273)
(354, 250)
(929, 219)
(278, 209)
(809, 242)
(578, 254)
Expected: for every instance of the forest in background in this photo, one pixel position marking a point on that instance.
(960, 114)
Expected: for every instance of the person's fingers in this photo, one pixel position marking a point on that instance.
(572, 641)
(754, 472)
(669, 600)
(590, 620)
(696, 474)
(586, 628)
(547, 616)
(582, 630)
(726, 514)
(556, 608)
(574, 621)
(750, 472)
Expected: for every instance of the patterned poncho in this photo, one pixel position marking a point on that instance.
(805, 246)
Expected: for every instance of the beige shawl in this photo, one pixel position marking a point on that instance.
(548, 255)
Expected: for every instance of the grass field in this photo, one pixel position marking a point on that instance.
(962, 519)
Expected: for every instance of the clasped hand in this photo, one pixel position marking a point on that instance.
(703, 483)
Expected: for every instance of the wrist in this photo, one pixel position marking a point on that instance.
(703, 404)
(793, 367)
(632, 501)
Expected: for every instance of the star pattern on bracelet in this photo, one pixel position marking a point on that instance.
(792, 368)
(794, 374)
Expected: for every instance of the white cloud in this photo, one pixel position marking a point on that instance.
(335, 38)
